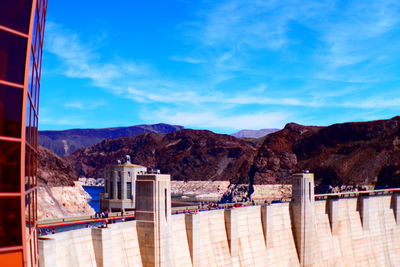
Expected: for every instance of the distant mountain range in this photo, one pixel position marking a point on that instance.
(254, 133)
(67, 142)
(189, 155)
(346, 153)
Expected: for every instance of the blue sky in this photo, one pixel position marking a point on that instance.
(219, 65)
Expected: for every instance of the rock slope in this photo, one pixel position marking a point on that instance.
(188, 155)
(59, 193)
(347, 153)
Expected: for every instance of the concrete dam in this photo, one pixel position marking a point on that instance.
(312, 230)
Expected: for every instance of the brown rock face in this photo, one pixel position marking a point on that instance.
(348, 153)
(54, 170)
(276, 160)
(59, 192)
(187, 155)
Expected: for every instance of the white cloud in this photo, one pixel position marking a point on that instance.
(214, 120)
(372, 103)
(355, 42)
(81, 62)
(140, 83)
(248, 99)
(85, 105)
(230, 35)
(62, 121)
(346, 34)
(259, 24)
(190, 60)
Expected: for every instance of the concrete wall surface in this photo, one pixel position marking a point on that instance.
(355, 231)
(125, 245)
(376, 243)
(180, 246)
(72, 248)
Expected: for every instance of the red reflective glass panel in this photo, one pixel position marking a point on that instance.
(10, 221)
(10, 111)
(16, 14)
(10, 153)
(12, 57)
(14, 259)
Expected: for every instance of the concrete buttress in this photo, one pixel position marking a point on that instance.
(153, 216)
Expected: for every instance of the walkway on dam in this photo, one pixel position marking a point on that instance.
(72, 223)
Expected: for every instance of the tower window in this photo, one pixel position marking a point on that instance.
(165, 204)
(129, 190)
(119, 190)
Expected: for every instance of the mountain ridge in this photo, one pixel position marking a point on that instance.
(65, 142)
(186, 155)
(345, 153)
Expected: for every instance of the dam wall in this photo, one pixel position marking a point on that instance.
(372, 239)
(359, 230)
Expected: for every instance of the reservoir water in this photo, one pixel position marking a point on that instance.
(94, 192)
(177, 201)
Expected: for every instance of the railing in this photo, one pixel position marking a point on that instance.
(357, 193)
(84, 219)
(206, 207)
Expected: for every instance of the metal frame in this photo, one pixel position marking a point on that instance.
(28, 247)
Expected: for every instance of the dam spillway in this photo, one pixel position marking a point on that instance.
(362, 230)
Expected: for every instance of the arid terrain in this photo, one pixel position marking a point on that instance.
(59, 194)
(352, 154)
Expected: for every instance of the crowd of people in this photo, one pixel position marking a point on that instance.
(46, 231)
(103, 214)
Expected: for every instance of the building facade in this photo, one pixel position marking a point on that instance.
(21, 41)
(120, 181)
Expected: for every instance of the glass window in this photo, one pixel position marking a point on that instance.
(16, 14)
(10, 221)
(28, 168)
(36, 204)
(118, 190)
(10, 166)
(31, 212)
(34, 90)
(27, 119)
(10, 111)
(165, 204)
(34, 167)
(129, 190)
(111, 190)
(28, 201)
(35, 29)
(30, 78)
(12, 57)
(11, 257)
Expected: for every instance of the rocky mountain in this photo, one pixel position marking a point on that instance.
(59, 193)
(187, 155)
(68, 141)
(54, 170)
(347, 153)
(254, 133)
